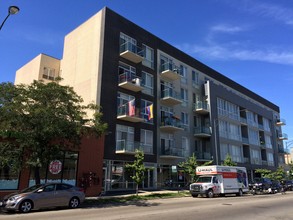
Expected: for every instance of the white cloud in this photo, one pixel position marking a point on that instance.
(225, 53)
(224, 28)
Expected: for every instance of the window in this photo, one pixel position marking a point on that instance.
(195, 78)
(147, 111)
(255, 157)
(167, 144)
(146, 140)
(148, 54)
(67, 174)
(266, 124)
(185, 146)
(253, 137)
(252, 119)
(224, 151)
(184, 96)
(270, 159)
(8, 179)
(126, 73)
(228, 109)
(124, 138)
(123, 103)
(236, 153)
(49, 73)
(184, 119)
(183, 73)
(127, 43)
(147, 83)
(268, 141)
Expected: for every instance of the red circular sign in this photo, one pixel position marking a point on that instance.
(55, 166)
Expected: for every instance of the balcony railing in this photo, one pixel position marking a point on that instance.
(201, 107)
(283, 136)
(170, 71)
(202, 131)
(170, 97)
(171, 152)
(131, 52)
(170, 124)
(126, 147)
(129, 113)
(129, 81)
(203, 155)
(280, 122)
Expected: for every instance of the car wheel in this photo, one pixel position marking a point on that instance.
(194, 195)
(210, 193)
(74, 202)
(26, 206)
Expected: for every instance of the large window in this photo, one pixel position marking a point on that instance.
(126, 72)
(270, 159)
(229, 130)
(255, 157)
(253, 137)
(228, 109)
(266, 124)
(268, 141)
(146, 140)
(8, 179)
(252, 119)
(127, 43)
(185, 146)
(148, 56)
(234, 151)
(147, 83)
(66, 175)
(124, 138)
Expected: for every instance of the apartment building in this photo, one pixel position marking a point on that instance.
(158, 99)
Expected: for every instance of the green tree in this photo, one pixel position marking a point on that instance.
(264, 173)
(38, 121)
(189, 167)
(228, 161)
(137, 168)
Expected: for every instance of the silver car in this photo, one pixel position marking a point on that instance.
(44, 196)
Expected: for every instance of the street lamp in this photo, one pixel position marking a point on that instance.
(12, 10)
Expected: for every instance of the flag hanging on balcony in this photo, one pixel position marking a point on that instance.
(150, 111)
(131, 107)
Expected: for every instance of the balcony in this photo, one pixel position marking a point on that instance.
(282, 137)
(170, 124)
(201, 107)
(202, 132)
(171, 152)
(129, 81)
(129, 113)
(170, 97)
(203, 156)
(131, 52)
(280, 122)
(126, 147)
(169, 71)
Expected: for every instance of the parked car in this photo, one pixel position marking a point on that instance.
(289, 185)
(44, 196)
(260, 185)
(276, 186)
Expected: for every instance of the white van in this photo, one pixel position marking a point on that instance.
(219, 180)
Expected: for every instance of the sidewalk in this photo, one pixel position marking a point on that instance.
(132, 193)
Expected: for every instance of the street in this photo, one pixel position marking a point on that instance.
(259, 207)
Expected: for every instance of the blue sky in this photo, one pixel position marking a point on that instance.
(249, 41)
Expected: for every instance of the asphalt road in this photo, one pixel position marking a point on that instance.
(259, 207)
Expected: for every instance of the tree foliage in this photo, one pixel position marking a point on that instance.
(228, 161)
(189, 167)
(38, 121)
(279, 174)
(138, 168)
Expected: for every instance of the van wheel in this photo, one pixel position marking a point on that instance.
(210, 193)
(240, 192)
(194, 195)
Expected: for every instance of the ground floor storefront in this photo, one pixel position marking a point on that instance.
(81, 168)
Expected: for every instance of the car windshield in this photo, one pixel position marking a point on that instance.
(32, 188)
(204, 179)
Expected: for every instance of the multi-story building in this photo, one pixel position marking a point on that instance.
(158, 99)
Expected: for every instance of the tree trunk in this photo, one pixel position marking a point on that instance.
(37, 175)
(137, 189)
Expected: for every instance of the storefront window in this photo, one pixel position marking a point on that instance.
(60, 170)
(8, 179)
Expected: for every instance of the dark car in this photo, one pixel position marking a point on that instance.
(44, 196)
(276, 186)
(261, 185)
(288, 185)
